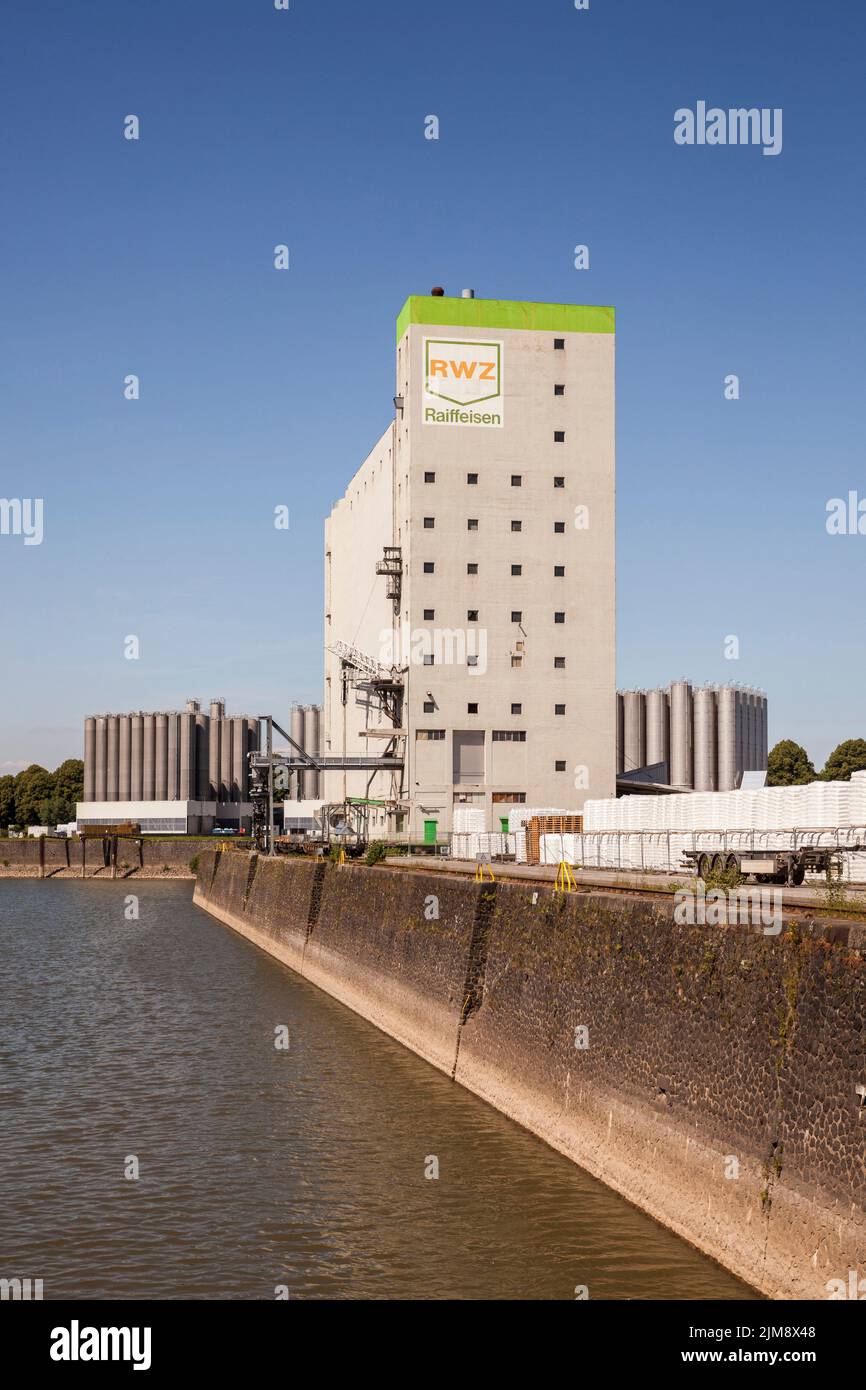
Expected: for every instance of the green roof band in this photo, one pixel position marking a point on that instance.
(505, 313)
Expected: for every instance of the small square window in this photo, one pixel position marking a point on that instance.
(429, 615)
(517, 525)
(428, 566)
(559, 709)
(472, 615)
(516, 709)
(428, 659)
(472, 709)
(429, 706)
(559, 765)
(517, 616)
(559, 527)
(559, 436)
(471, 568)
(559, 617)
(516, 569)
(429, 523)
(472, 477)
(559, 662)
(429, 477)
(559, 343)
(516, 660)
(559, 571)
(559, 390)
(472, 523)
(472, 661)
(516, 480)
(559, 482)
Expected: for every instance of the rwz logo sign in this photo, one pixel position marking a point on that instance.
(462, 374)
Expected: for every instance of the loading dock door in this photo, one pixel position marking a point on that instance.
(468, 757)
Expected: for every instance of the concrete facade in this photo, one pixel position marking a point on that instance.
(500, 508)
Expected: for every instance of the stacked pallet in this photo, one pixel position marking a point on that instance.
(539, 826)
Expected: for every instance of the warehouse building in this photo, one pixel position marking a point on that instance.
(702, 737)
(176, 772)
(470, 571)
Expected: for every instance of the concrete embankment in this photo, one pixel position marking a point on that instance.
(713, 1076)
(46, 857)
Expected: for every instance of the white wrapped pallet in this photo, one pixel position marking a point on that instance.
(469, 820)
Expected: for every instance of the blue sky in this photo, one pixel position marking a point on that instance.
(259, 387)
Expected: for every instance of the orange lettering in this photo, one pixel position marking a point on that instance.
(438, 366)
(466, 369)
(489, 369)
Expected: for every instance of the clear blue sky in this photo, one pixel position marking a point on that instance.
(260, 387)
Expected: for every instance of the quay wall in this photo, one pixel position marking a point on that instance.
(714, 1076)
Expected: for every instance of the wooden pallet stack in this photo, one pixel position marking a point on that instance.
(548, 825)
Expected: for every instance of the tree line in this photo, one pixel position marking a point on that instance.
(789, 765)
(39, 797)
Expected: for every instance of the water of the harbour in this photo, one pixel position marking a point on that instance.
(262, 1169)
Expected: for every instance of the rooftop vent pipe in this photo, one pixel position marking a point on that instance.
(468, 294)
(437, 290)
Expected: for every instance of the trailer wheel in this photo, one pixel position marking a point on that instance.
(732, 866)
(798, 873)
(703, 866)
(718, 865)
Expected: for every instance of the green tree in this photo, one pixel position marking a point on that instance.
(848, 757)
(7, 801)
(789, 765)
(32, 786)
(68, 788)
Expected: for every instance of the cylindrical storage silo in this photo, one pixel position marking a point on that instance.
(213, 757)
(111, 758)
(658, 745)
(148, 781)
(726, 738)
(634, 730)
(705, 757)
(202, 756)
(136, 758)
(620, 733)
(296, 729)
(311, 732)
(239, 756)
(682, 774)
(172, 758)
(90, 758)
(124, 744)
(161, 757)
(186, 756)
(225, 760)
(101, 783)
(765, 749)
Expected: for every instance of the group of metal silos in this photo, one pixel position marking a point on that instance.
(169, 756)
(305, 729)
(706, 735)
